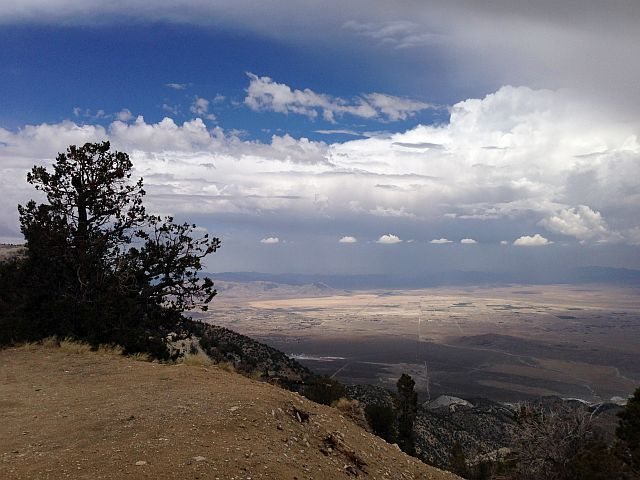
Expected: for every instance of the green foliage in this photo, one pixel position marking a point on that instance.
(98, 267)
(381, 419)
(408, 408)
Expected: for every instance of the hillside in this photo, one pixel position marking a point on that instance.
(66, 414)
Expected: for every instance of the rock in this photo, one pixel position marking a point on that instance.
(199, 458)
(140, 463)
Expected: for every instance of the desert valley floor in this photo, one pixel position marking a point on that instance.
(504, 343)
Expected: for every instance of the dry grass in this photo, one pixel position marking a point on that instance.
(199, 359)
(110, 349)
(139, 357)
(73, 346)
(69, 345)
(30, 346)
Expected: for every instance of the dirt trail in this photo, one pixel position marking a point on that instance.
(97, 416)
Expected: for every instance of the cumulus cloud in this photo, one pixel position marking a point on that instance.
(504, 242)
(532, 241)
(580, 222)
(264, 94)
(348, 239)
(389, 239)
(440, 241)
(468, 241)
(270, 240)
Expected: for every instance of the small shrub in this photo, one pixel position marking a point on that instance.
(198, 359)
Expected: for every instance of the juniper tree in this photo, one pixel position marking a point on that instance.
(408, 407)
(98, 266)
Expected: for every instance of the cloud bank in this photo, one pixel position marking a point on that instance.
(519, 158)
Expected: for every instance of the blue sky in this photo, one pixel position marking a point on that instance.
(366, 137)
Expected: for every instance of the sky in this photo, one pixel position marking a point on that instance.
(345, 137)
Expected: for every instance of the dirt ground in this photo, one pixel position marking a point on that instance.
(99, 415)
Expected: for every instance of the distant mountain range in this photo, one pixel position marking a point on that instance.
(581, 275)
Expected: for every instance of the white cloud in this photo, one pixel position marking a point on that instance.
(580, 222)
(388, 239)
(504, 242)
(200, 108)
(177, 86)
(270, 240)
(468, 241)
(124, 115)
(348, 239)
(395, 108)
(536, 241)
(440, 241)
(263, 94)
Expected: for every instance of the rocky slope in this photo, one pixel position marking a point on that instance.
(69, 414)
(484, 429)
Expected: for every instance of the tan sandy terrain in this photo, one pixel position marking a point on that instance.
(96, 416)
